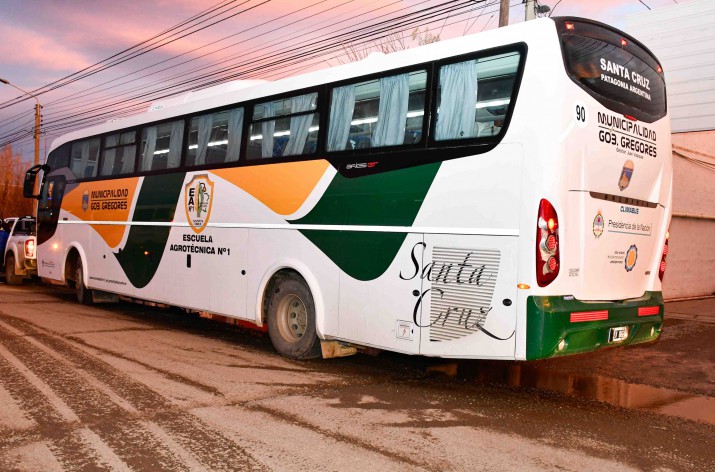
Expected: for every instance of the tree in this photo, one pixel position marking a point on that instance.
(12, 175)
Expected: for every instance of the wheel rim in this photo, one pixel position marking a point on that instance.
(292, 318)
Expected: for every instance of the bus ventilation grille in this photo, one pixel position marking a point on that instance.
(463, 283)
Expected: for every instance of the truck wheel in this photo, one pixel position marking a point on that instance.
(291, 318)
(84, 295)
(11, 278)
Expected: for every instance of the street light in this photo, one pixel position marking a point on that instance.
(37, 122)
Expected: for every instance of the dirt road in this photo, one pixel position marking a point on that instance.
(126, 387)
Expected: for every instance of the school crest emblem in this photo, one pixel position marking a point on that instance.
(198, 198)
(85, 200)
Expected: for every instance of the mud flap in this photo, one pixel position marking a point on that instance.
(98, 296)
(332, 349)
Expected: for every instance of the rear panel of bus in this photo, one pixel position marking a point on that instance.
(600, 236)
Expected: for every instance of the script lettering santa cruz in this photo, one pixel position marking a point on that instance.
(450, 274)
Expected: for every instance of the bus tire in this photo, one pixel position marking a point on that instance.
(11, 278)
(291, 318)
(84, 295)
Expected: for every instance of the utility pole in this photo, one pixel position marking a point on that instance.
(530, 10)
(503, 13)
(38, 120)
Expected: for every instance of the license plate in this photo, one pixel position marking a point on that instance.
(618, 334)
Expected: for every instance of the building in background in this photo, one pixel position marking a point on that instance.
(682, 37)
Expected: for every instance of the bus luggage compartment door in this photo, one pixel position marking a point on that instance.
(469, 296)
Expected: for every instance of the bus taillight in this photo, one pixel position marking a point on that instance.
(547, 244)
(661, 269)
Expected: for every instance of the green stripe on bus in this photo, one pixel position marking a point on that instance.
(548, 321)
(145, 245)
(386, 199)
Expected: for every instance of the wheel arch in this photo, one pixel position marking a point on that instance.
(74, 254)
(300, 269)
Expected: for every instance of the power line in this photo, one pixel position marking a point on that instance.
(279, 60)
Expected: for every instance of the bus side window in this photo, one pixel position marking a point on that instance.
(84, 157)
(161, 146)
(284, 127)
(385, 112)
(120, 151)
(215, 138)
(474, 96)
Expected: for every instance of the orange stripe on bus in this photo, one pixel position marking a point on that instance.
(108, 200)
(281, 187)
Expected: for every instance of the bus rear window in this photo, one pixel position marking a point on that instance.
(616, 77)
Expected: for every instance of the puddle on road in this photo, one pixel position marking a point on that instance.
(612, 391)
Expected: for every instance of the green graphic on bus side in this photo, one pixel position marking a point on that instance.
(144, 248)
(386, 199)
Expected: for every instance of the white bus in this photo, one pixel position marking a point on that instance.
(504, 195)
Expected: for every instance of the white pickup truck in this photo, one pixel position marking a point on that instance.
(19, 257)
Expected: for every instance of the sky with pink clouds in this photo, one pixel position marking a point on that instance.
(46, 40)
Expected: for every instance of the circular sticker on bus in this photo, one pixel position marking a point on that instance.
(631, 257)
(580, 114)
(598, 225)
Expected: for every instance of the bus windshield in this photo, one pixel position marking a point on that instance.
(615, 70)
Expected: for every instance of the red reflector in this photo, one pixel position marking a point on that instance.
(648, 310)
(632, 118)
(624, 43)
(665, 250)
(580, 316)
(662, 266)
(570, 26)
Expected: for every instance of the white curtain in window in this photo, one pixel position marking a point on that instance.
(392, 114)
(108, 161)
(128, 159)
(458, 101)
(299, 125)
(204, 136)
(235, 128)
(267, 130)
(85, 160)
(342, 107)
(149, 148)
(177, 136)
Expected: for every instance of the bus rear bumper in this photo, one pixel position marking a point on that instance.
(560, 327)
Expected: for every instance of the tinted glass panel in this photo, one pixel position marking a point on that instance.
(215, 138)
(84, 157)
(119, 154)
(474, 96)
(293, 131)
(161, 146)
(384, 112)
(614, 73)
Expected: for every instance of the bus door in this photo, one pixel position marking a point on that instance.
(49, 233)
(469, 305)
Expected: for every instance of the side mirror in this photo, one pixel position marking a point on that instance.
(28, 187)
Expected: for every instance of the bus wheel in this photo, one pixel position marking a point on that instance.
(291, 318)
(10, 276)
(84, 295)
